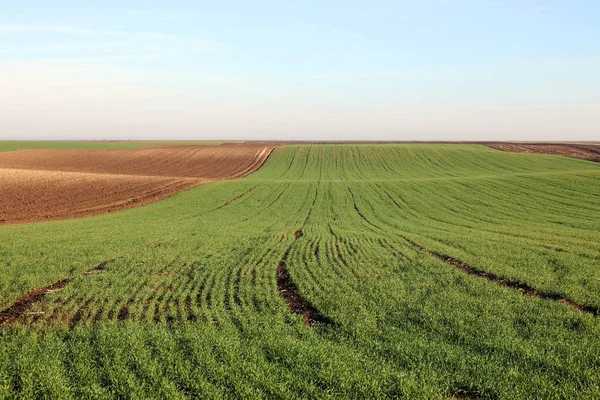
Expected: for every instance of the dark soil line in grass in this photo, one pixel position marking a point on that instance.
(78, 316)
(296, 302)
(523, 288)
(98, 268)
(288, 289)
(360, 212)
(228, 202)
(24, 303)
(236, 198)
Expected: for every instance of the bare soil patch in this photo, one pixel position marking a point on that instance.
(297, 304)
(588, 152)
(204, 162)
(22, 305)
(39, 185)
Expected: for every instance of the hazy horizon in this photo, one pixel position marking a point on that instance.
(424, 71)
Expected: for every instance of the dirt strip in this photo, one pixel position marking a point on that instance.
(288, 289)
(297, 304)
(523, 288)
(23, 304)
(98, 268)
(589, 152)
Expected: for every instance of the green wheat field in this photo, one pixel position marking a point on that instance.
(439, 271)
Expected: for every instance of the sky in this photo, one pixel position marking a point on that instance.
(300, 70)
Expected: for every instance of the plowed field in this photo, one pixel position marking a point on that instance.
(590, 152)
(56, 184)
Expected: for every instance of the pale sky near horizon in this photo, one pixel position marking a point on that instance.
(314, 70)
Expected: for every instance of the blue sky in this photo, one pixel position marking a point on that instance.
(398, 70)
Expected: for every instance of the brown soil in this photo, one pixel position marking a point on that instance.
(297, 304)
(98, 268)
(588, 152)
(23, 304)
(204, 162)
(39, 185)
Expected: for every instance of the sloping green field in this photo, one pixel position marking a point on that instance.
(186, 303)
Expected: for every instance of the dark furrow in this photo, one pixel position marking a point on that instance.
(200, 292)
(228, 202)
(98, 268)
(150, 299)
(289, 166)
(236, 288)
(523, 288)
(360, 212)
(78, 316)
(288, 289)
(279, 195)
(98, 315)
(257, 215)
(236, 198)
(111, 311)
(23, 304)
(297, 304)
(124, 311)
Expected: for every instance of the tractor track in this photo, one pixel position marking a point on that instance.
(298, 304)
(525, 289)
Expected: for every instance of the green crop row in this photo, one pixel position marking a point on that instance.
(186, 302)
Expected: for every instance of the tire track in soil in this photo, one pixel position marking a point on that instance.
(265, 209)
(20, 308)
(78, 316)
(98, 268)
(525, 289)
(23, 304)
(228, 202)
(288, 289)
(236, 198)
